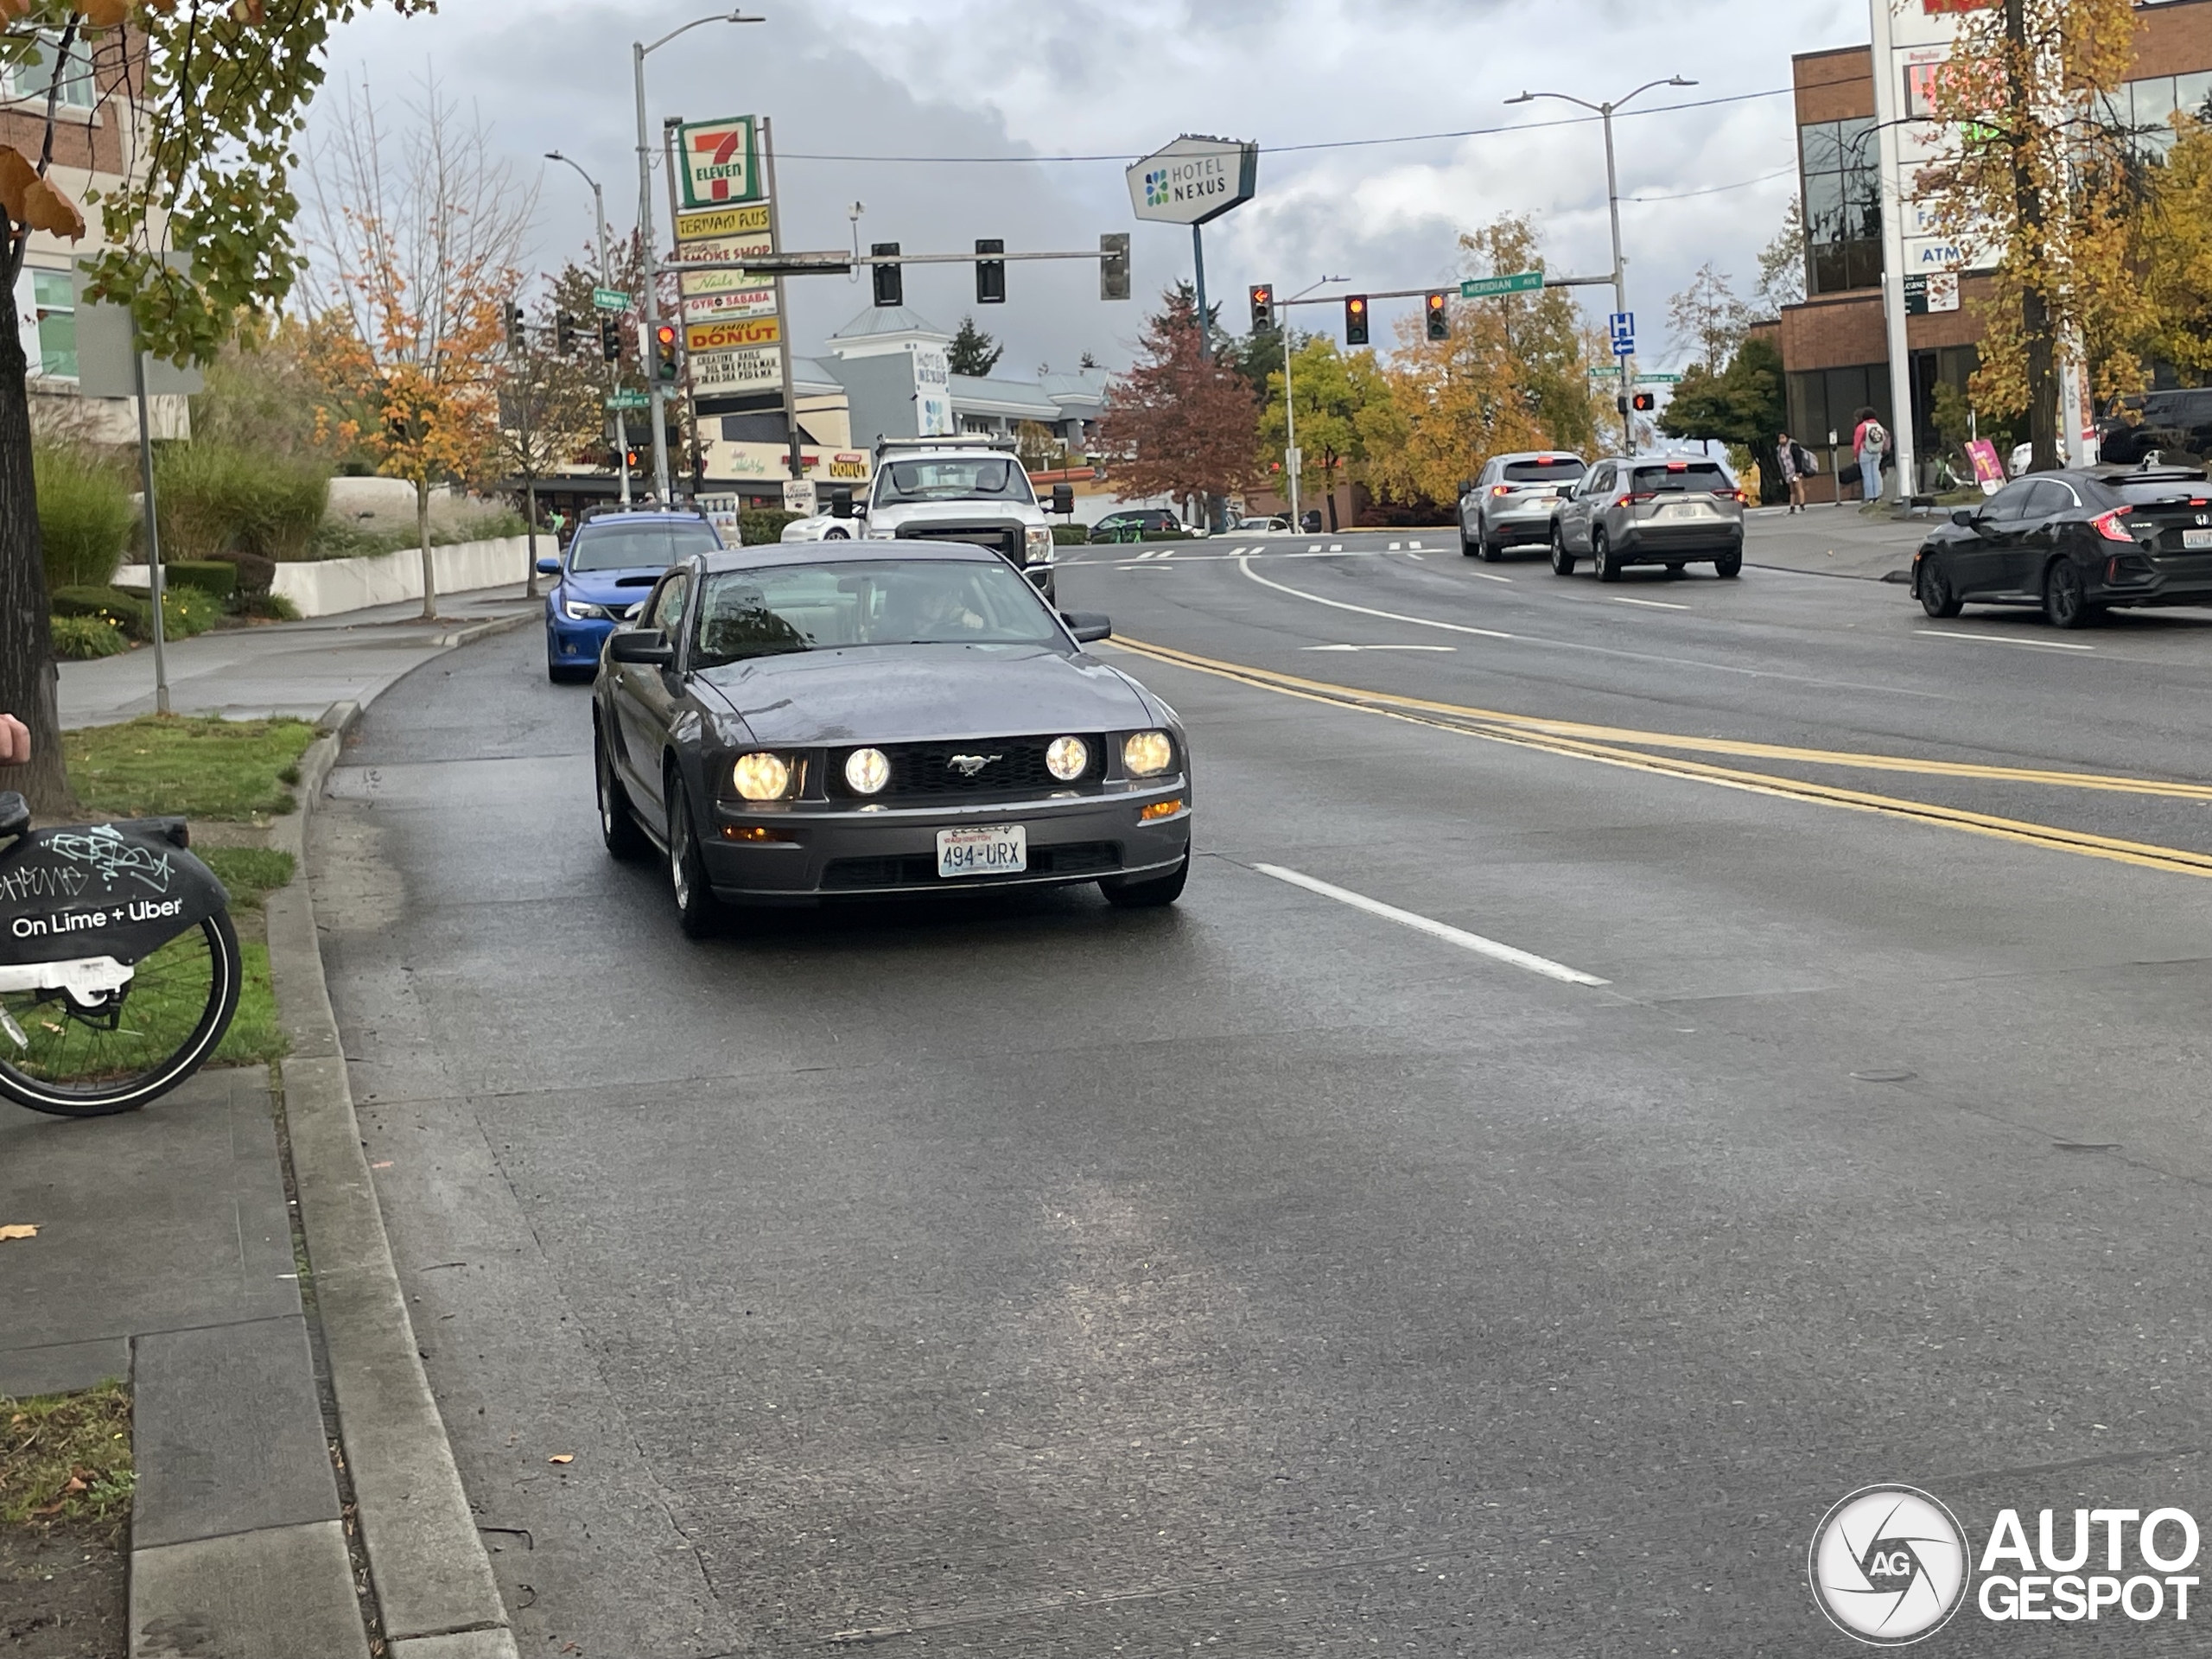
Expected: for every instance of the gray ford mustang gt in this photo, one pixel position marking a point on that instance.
(806, 720)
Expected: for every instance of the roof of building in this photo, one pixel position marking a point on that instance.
(989, 395)
(877, 321)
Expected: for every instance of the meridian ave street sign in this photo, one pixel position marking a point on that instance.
(1482, 288)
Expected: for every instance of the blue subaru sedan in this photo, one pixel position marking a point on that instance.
(613, 561)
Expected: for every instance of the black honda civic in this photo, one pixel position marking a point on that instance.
(2075, 543)
(818, 720)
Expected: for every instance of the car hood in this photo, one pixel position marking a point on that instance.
(611, 587)
(905, 693)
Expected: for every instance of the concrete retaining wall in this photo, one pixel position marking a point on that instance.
(326, 586)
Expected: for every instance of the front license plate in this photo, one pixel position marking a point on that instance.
(2196, 538)
(1000, 849)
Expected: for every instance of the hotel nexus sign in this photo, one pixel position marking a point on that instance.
(1193, 180)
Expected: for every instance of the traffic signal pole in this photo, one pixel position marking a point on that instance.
(651, 306)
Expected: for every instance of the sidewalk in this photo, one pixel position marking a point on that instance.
(296, 1496)
(281, 668)
(1832, 540)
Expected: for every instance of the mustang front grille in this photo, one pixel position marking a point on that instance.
(1002, 768)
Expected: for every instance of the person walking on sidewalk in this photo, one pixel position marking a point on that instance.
(1870, 443)
(1786, 453)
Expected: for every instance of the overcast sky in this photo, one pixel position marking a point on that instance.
(1021, 79)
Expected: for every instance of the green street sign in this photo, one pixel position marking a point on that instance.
(610, 299)
(1483, 288)
(630, 400)
(1660, 379)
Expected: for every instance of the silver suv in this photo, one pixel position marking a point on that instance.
(1655, 509)
(1510, 504)
(960, 489)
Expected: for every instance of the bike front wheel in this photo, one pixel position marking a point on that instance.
(78, 1061)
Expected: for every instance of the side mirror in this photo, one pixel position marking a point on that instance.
(841, 504)
(1063, 499)
(1962, 516)
(548, 565)
(1088, 627)
(1466, 487)
(648, 646)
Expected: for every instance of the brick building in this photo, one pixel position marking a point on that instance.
(1835, 346)
(90, 148)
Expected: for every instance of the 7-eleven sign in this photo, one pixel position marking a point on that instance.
(720, 161)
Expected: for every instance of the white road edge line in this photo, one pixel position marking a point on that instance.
(1435, 930)
(1487, 576)
(1364, 610)
(1996, 639)
(1656, 604)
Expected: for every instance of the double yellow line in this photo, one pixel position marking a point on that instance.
(1626, 747)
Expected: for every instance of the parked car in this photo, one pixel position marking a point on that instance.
(611, 560)
(1656, 511)
(2173, 424)
(1134, 523)
(820, 527)
(2075, 543)
(1510, 503)
(1278, 525)
(855, 718)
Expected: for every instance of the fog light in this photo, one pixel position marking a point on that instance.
(762, 777)
(1147, 754)
(1159, 809)
(1066, 757)
(868, 770)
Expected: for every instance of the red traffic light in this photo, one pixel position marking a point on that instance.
(1644, 400)
(665, 335)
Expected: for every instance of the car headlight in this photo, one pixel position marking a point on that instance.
(1066, 757)
(868, 770)
(1037, 539)
(762, 777)
(1147, 754)
(577, 610)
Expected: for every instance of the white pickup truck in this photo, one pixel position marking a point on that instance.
(964, 489)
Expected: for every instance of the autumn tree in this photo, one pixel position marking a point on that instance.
(1344, 415)
(205, 98)
(1180, 422)
(1706, 319)
(418, 243)
(2037, 179)
(2174, 255)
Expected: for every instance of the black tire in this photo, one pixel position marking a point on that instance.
(1936, 596)
(618, 821)
(1728, 565)
(1608, 567)
(698, 912)
(2066, 596)
(1489, 552)
(133, 1074)
(1562, 561)
(1468, 548)
(1124, 894)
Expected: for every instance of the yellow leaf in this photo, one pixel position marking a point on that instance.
(18, 1229)
(45, 208)
(562, 1457)
(104, 14)
(16, 173)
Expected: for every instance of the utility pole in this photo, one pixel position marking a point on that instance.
(1624, 367)
(1290, 456)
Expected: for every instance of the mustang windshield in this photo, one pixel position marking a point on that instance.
(781, 608)
(637, 547)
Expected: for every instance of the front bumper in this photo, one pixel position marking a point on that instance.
(574, 644)
(847, 852)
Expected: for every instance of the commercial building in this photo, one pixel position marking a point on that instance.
(1835, 348)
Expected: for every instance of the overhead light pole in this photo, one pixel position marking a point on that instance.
(638, 52)
(605, 280)
(1290, 456)
(1622, 377)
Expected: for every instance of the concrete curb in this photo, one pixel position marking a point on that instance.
(432, 1578)
(476, 631)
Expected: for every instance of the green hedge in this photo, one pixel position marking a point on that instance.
(217, 578)
(85, 514)
(759, 525)
(1071, 534)
(216, 498)
(185, 611)
(80, 639)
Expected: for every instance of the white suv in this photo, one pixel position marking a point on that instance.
(1512, 502)
(969, 489)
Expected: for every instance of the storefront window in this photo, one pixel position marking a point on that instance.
(1843, 205)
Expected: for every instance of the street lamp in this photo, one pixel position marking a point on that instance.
(1290, 404)
(1613, 205)
(605, 280)
(638, 51)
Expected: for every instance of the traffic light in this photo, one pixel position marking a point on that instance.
(1113, 265)
(890, 281)
(510, 316)
(564, 334)
(1356, 319)
(990, 273)
(1643, 401)
(610, 340)
(1264, 307)
(664, 352)
(1436, 311)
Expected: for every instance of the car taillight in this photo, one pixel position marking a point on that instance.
(1642, 495)
(2107, 524)
(1500, 489)
(1731, 495)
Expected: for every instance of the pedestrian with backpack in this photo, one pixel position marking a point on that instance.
(1870, 442)
(1793, 458)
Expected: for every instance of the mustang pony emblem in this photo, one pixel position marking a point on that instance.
(968, 765)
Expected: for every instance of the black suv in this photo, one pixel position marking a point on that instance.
(2177, 421)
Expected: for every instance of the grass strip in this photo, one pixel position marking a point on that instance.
(66, 1458)
(194, 766)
